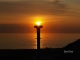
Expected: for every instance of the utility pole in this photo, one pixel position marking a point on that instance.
(38, 27)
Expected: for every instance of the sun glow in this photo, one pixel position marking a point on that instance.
(38, 20)
(38, 23)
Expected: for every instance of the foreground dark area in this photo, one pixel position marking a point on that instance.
(69, 52)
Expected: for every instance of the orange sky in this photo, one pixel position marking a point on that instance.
(58, 14)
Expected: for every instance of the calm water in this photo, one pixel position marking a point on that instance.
(28, 40)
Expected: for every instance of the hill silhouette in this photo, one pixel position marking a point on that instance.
(72, 51)
(73, 45)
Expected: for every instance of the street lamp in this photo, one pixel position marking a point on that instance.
(38, 26)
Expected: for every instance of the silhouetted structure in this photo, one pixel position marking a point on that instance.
(38, 35)
(38, 40)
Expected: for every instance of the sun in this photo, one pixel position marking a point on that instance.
(38, 23)
(38, 20)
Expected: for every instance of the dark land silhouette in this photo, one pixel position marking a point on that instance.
(69, 52)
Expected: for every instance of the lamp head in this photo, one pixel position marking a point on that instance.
(38, 25)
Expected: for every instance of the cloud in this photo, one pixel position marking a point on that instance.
(15, 11)
(28, 7)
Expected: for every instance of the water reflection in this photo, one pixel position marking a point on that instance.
(29, 41)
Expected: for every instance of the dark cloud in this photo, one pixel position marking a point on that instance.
(60, 28)
(15, 28)
(28, 7)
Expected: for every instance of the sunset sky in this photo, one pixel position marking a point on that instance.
(55, 15)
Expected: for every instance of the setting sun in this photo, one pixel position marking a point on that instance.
(38, 20)
(38, 23)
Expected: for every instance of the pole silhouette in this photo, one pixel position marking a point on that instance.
(38, 40)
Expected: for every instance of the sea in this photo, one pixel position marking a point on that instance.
(29, 41)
